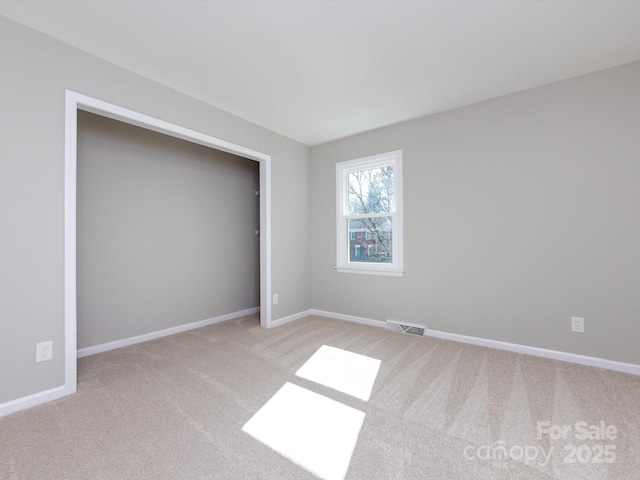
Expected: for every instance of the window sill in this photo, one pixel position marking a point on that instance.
(367, 271)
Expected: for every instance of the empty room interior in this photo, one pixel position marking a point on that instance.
(320, 240)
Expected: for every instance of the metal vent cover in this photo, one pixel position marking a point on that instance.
(394, 326)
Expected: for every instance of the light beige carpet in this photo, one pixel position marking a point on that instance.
(175, 408)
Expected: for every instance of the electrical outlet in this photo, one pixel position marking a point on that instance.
(577, 324)
(44, 351)
(275, 298)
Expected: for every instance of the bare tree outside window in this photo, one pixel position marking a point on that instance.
(370, 194)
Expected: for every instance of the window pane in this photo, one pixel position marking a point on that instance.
(371, 191)
(370, 240)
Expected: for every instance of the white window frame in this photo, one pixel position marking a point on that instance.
(343, 169)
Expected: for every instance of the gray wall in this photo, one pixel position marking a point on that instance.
(520, 212)
(36, 70)
(166, 231)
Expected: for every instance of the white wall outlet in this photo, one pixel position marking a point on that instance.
(275, 298)
(577, 324)
(44, 351)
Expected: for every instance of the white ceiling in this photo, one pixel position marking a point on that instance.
(316, 71)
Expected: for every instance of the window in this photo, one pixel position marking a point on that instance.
(369, 201)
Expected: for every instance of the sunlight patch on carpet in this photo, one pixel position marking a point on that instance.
(311, 430)
(345, 371)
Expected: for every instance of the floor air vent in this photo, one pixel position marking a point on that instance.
(405, 328)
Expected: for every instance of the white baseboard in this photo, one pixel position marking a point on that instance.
(290, 318)
(349, 318)
(29, 401)
(499, 345)
(539, 352)
(125, 342)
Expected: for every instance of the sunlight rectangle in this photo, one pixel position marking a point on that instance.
(311, 430)
(345, 371)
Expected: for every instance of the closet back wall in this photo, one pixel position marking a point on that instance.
(166, 232)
